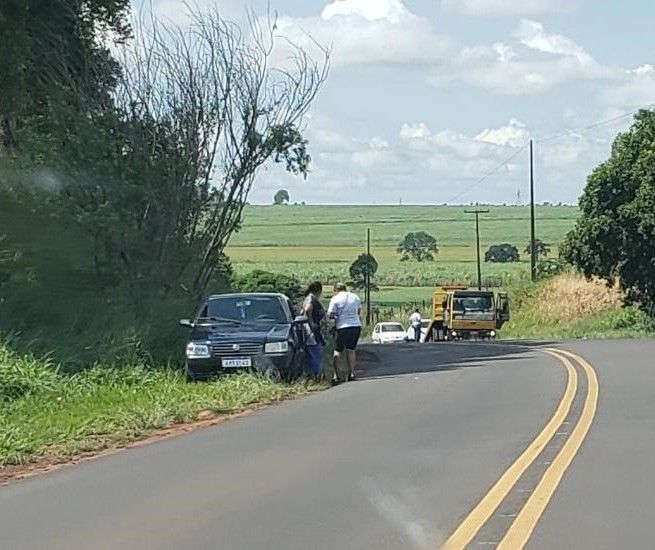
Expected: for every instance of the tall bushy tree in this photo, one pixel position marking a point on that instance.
(364, 265)
(55, 65)
(615, 234)
(198, 110)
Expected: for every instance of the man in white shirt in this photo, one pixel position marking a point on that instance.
(415, 320)
(345, 307)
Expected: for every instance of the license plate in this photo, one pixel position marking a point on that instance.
(238, 362)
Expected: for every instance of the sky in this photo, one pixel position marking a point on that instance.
(428, 100)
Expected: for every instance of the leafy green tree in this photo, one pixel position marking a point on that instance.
(281, 197)
(502, 253)
(363, 265)
(55, 65)
(541, 248)
(421, 246)
(615, 234)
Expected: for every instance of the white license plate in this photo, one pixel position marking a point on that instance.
(238, 362)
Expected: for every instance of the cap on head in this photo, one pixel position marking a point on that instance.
(339, 287)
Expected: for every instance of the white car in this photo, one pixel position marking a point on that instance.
(389, 333)
(424, 331)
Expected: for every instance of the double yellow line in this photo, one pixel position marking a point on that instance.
(521, 529)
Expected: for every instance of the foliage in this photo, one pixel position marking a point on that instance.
(136, 167)
(550, 267)
(541, 248)
(54, 66)
(265, 281)
(365, 265)
(502, 253)
(615, 235)
(281, 197)
(420, 246)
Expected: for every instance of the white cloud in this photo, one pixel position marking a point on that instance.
(637, 89)
(366, 31)
(426, 165)
(491, 8)
(535, 62)
(515, 134)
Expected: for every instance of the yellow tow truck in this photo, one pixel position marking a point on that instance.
(462, 313)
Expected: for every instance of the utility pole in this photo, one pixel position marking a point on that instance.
(477, 240)
(533, 248)
(368, 276)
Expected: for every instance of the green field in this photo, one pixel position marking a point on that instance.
(320, 242)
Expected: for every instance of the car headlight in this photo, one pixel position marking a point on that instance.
(276, 347)
(197, 351)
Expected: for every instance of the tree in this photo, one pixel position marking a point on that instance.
(363, 265)
(615, 234)
(55, 64)
(420, 246)
(502, 253)
(281, 197)
(541, 247)
(198, 110)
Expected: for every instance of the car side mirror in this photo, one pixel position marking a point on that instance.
(300, 319)
(188, 323)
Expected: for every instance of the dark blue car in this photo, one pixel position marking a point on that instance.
(256, 332)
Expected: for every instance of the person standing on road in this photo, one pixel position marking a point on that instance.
(346, 308)
(317, 320)
(415, 320)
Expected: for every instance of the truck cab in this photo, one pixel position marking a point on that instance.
(474, 314)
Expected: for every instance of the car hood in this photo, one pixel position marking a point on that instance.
(245, 333)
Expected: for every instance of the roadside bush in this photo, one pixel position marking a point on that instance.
(266, 281)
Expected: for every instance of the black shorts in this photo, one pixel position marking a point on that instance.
(347, 338)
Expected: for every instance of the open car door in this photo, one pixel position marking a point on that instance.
(502, 309)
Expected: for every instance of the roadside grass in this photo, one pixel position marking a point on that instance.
(570, 307)
(46, 414)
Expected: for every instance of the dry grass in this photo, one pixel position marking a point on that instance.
(572, 297)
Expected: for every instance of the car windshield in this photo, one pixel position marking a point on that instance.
(244, 309)
(473, 303)
(393, 327)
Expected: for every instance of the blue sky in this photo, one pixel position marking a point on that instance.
(425, 97)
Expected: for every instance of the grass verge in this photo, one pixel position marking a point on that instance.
(47, 415)
(570, 307)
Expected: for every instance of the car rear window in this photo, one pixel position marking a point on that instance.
(392, 328)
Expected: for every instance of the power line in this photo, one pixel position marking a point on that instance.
(548, 138)
(584, 129)
(489, 174)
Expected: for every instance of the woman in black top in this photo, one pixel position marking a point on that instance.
(316, 340)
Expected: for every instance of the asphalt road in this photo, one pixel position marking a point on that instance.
(395, 460)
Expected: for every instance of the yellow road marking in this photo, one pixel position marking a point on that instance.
(521, 530)
(486, 507)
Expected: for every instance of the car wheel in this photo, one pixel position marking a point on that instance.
(272, 373)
